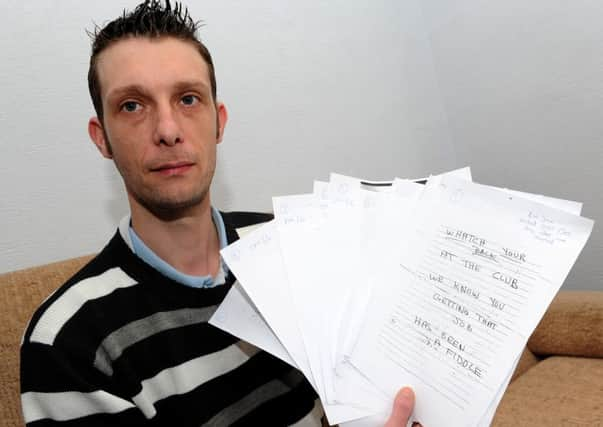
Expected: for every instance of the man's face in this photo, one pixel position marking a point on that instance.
(161, 124)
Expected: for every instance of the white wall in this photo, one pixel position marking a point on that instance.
(374, 89)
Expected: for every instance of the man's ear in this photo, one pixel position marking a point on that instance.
(97, 135)
(221, 119)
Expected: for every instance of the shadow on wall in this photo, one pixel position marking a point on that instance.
(221, 194)
(116, 205)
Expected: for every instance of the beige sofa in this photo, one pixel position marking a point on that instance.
(558, 382)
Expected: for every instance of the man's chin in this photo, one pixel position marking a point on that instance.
(170, 208)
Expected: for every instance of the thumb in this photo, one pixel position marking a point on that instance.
(404, 404)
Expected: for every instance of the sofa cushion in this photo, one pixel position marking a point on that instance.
(571, 326)
(559, 391)
(526, 361)
(21, 292)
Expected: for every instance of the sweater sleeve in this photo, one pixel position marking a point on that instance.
(59, 388)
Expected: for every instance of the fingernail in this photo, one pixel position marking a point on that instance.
(406, 392)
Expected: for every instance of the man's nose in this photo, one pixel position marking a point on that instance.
(167, 131)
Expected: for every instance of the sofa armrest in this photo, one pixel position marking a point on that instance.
(571, 326)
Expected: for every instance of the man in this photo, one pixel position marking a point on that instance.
(126, 340)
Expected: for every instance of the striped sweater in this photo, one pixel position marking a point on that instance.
(120, 344)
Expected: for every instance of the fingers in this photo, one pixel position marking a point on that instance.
(402, 409)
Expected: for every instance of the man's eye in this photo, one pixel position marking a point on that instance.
(131, 106)
(189, 100)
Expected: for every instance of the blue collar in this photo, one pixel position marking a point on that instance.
(151, 258)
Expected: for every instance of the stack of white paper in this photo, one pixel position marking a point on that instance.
(437, 286)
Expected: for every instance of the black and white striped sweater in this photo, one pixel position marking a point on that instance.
(122, 345)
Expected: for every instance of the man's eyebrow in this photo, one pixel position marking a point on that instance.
(125, 90)
(192, 84)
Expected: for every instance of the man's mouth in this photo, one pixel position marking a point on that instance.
(172, 168)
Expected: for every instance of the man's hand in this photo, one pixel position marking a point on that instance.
(402, 409)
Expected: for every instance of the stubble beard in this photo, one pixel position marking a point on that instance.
(166, 207)
(161, 203)
(165, 204)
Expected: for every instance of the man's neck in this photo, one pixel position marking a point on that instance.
(189, 243)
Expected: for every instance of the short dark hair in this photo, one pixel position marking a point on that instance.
(150, 19)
